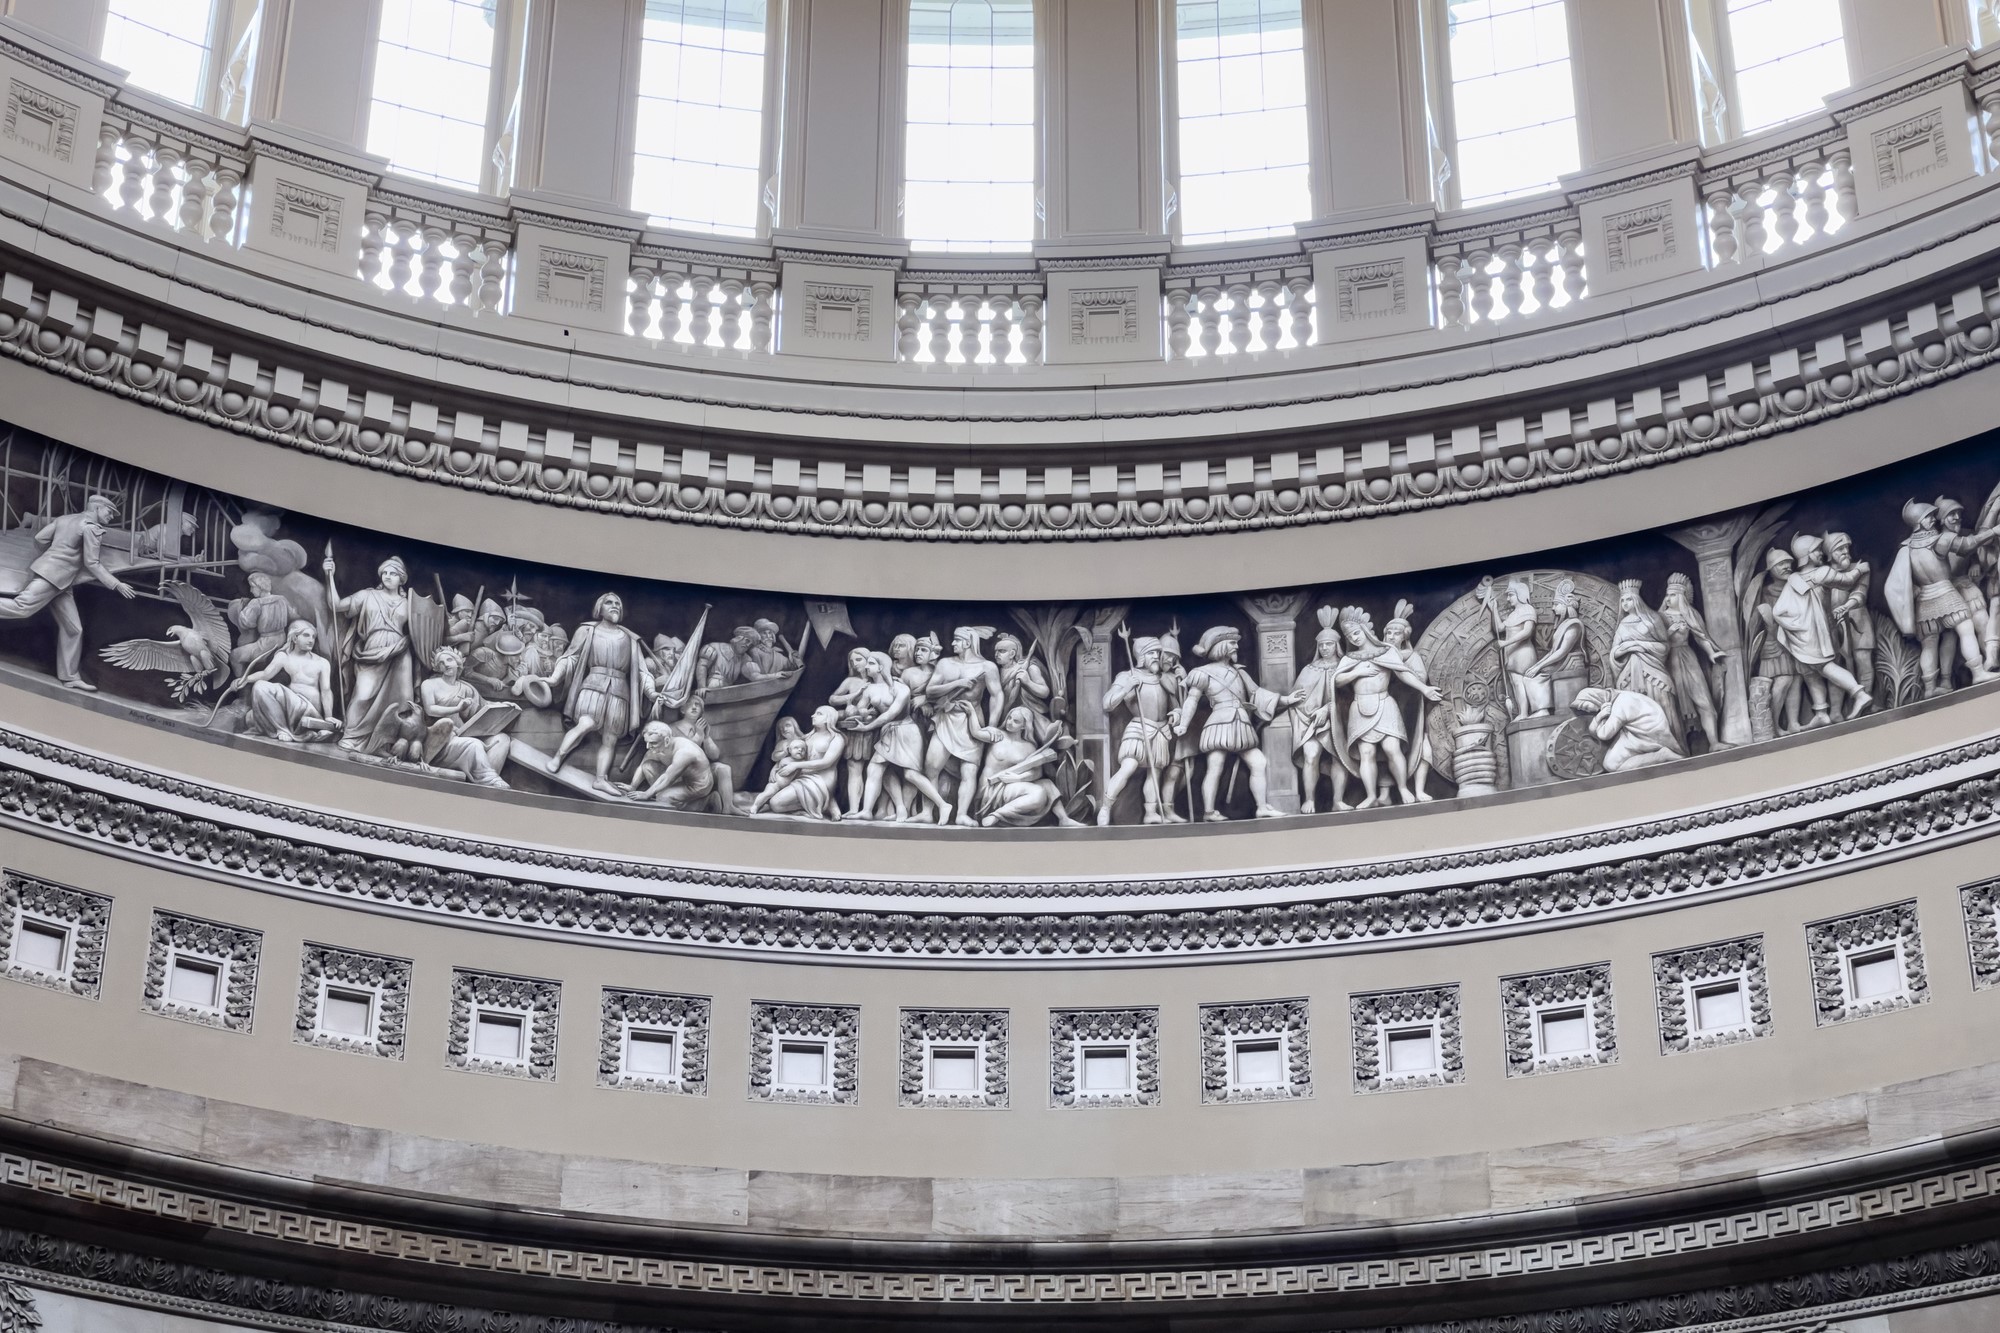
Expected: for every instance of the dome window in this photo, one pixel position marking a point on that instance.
(700, 140)
(432, 112)
(969, 168)
(1241, 87)
(1512, 105)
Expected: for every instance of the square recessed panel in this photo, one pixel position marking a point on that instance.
(1107, 1069)
(652, 1054)
(499, 1037)
(195, 983)
(42, 947)
(1412, 1050)
(1875, 975)
(347, 1013)
(1259, 1064)
(1719, 1007)
(1565, 1032)
(802, 1064)
(954, 1069)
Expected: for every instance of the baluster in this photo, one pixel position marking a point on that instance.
(972, 316)
(1750, 199)
(105, 169)
(1177, 323)
(940, 325)
(432, 276)
(403, 252)
(1512, 297)
(1841, 163)
(1989, 119)
(1210, 299)
(374, 234)
(1239, 316)
(223, 203)
(1571, 245)
(1479, 261)
(1298, 304)
(160, 204)
(1006, 328)
(732, 311)
(1541, 270)
(673, 311)
(1031, 329)
(462, 268)
(1721, 225)
(639, 305)
(138, 155)
(1270, 318)
(194, 195)
(1814, 190)
(1785, 207)
(762, 310)
(1451, 291)
(701, 308)
(492, 275)
(907, 319)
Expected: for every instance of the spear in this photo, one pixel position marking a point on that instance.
(339, 633)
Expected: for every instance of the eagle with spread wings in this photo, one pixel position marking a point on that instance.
(195, 654)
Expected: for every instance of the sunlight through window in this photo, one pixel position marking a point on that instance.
(1512, 101)
(1788, 54)
(433, 74)
(969, 158)
(701, 101)
(1242, 90)
(163, 44)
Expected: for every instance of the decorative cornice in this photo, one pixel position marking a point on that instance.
(1440, 1266)
(1551, 442)
(1869, 818)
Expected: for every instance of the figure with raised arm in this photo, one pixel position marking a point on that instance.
(964, 692)
(1236, 706)
(610, 681)
(376, 642)
(1514, 621)
(72, 547)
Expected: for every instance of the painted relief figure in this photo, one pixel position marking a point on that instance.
(71, 548)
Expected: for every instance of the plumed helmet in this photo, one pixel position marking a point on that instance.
(1916, 511)
(1214, 637)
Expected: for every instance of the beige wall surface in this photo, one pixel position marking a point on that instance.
(1617, 1106)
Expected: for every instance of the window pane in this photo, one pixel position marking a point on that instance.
(969, 151)
(433, 75)
(163, 44)
(1789, 55)
(1511, 97)
(1241, 87)
(701, 108)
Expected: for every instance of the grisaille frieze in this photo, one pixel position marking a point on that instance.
(212, 613)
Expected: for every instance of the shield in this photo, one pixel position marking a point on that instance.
(427, 628)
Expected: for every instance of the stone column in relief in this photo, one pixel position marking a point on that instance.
(1103, 179)
(1882, 34)
(1365, 105)
(1633, 83)
(1714, 546)
(316, 67)
(1094, 670)
(1277, 618)
(840, 175)
(77, 23)
(579, 100)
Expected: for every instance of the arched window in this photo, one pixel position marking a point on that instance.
(969, 150)
(1241, 89)
(432, 106)
(1513, 106)
(164, 45)
(1786, 56)
(699, 152)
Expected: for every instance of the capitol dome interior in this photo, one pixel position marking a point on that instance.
(705, 666)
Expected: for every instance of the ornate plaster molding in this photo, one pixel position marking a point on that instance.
(1835, 947)
(1287, 1023)
(1531, 1004)
(1130, 1034)
(84, 916)
(231, 952)
(155, 357)
(982, 1032)
(534, 1009)
(834, 1028)
(1874, 817)
(1679, 973)
(326, 1240)
(1374, 1016)
(386, 983)
(1981, 903)
(679, 1019)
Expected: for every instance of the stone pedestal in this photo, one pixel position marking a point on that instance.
(1093, 679)
(1528, 741)
(1277, 615)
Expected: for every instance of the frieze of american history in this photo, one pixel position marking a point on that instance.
(282, 630)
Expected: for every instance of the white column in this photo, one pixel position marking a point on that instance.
(841, 162)
(1883, 34)
(76, 23)
(315, 67)
(1365, 104)
(1103, 177)
(579, 99)
(1629, 62)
